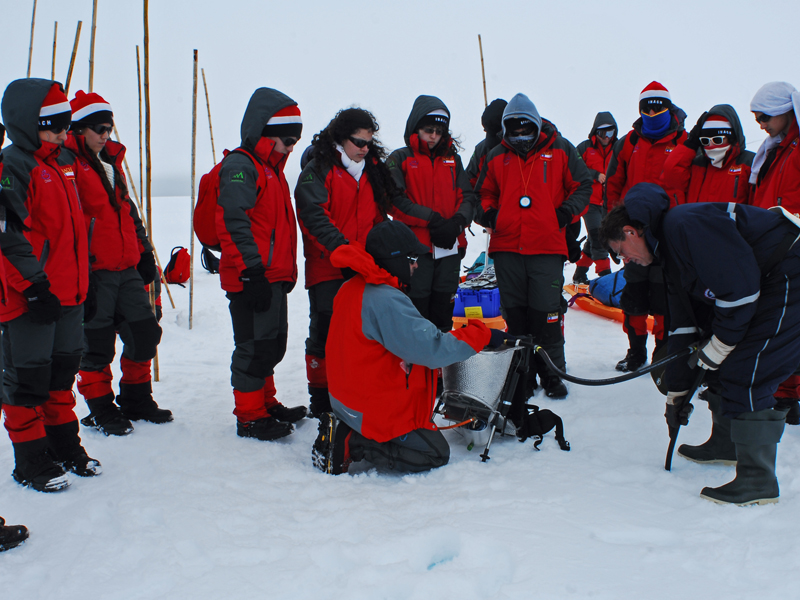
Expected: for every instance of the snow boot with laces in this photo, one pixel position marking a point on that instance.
(65, 444)
(35, 467)
(106, 417)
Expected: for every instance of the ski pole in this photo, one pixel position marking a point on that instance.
(673, 431)
(610, 381)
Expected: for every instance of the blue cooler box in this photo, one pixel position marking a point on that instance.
(469, 301)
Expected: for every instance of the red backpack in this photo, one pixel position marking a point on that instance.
(204, 219)
(177, 270)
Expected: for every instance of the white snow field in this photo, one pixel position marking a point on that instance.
(189, 510)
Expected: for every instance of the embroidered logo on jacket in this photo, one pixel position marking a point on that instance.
(46, 176)
(83, 164)
(308, 178)
(238, 177)
(68, 172)
(6, 181)
(735, 170)
(546, 155)
(552, 317)
(449, 161)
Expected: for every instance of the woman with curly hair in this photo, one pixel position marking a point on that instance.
(430, 173)
(343, 191)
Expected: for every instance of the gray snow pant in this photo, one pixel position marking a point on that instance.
(417, 451)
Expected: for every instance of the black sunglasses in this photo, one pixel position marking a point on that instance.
(430, 130)
(412, 260)
(359, 143)
(57, 128)
(289, 141)
(717, 140)
(764, 118)
(101, 129)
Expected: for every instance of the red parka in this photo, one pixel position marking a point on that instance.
(382, 354)
(551, 175)
(118, 237)
(780, 184)
(254, 217)
(637, 159)
(333, 209)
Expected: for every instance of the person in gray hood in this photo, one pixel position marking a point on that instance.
(535, 186)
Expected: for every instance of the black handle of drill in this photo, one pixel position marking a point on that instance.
(673, 431)
(610, 381)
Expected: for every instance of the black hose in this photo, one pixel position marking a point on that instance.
(597, 382)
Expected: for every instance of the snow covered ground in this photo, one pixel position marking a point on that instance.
(189, 510)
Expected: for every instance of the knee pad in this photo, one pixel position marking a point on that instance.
(63, 371)
(141, 341)
(99, 346)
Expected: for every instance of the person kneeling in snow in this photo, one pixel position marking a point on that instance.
(381, 357)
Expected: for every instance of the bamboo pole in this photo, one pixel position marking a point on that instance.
(191, 214)
(91, 46)
(72, 60)
(55, 37)
(148, 163)
(139, 89)
(483, 74)
(208, 107)
(141, 216)
(30, 47)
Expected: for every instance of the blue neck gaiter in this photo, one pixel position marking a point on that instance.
(656, 126)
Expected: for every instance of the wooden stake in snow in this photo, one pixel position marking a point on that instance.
(208, 107)
(30, 47)
(191, 214)
(139, 89)
(148, 167)
(72, 60)
(55, 37)
(91, 46)
(483, 73)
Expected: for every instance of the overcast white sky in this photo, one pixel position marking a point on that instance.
(572, 58)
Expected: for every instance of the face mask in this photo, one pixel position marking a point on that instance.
(522, 143)
(716, 155)
(657, 125)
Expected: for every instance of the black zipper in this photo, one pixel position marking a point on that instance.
(271, 247)
(545, 171)
(735, 185)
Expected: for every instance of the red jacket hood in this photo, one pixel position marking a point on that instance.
(354, 256)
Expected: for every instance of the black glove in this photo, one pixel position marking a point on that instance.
(435, 220)
(147, 267)
(501, 338)
(348, 273)
(44, 307)
(564, 217)
(490, 218)
(679, 407)
(256, 290)
(693, 141)
(90, 304)
(445, 235)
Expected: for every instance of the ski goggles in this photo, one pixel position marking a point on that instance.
(717, 140)
(359, 143)
(101, 129)
(606, 133)
(764, 118)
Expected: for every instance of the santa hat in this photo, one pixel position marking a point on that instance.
(90, 109)
(55, 113)
(717, 125)
(284, 123)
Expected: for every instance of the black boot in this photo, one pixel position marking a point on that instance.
(330, 452)
(66, 445)
(320, 401)
(581, 276)
(637, 351)
(136, 403)
(36, 468)
(791, 406)
(719, 448)
(106, 417)
(756, 436)
(11, 536)
(266, 429)
(286, 414)
(604, 272)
